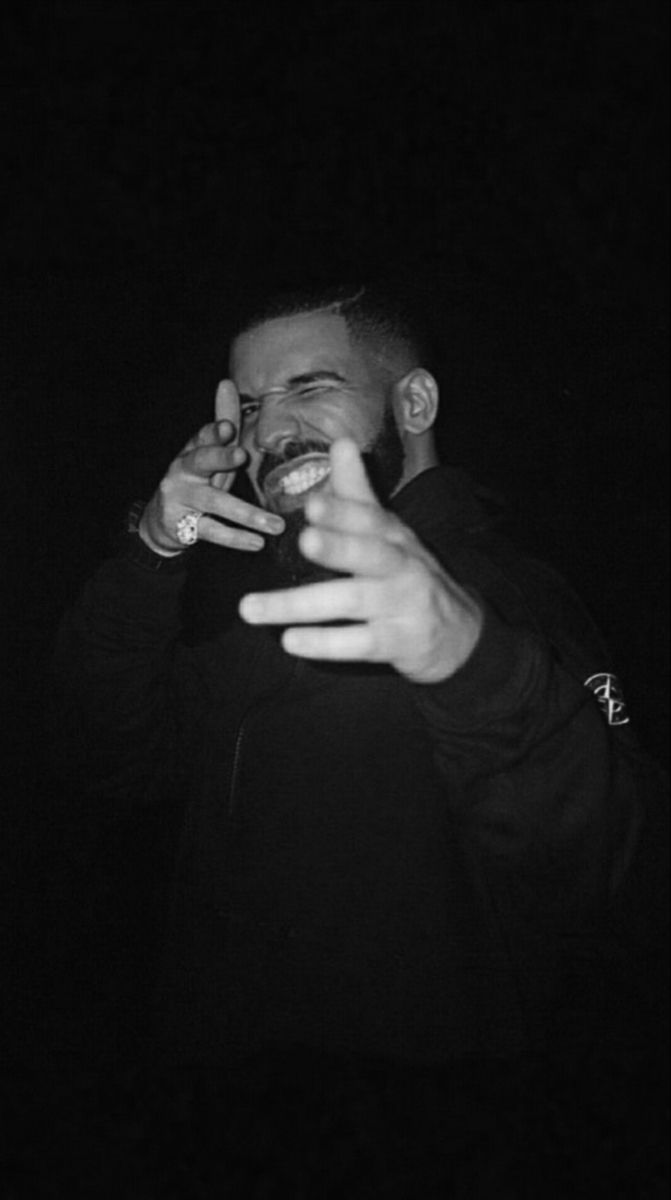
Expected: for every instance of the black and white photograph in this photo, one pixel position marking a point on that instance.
(334, 840)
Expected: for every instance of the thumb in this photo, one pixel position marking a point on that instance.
(348, 474)
(227, 405)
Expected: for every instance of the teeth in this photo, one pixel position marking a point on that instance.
(303, 478)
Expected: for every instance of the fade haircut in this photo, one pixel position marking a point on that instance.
(376, 317)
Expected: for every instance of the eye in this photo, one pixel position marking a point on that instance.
(249, 409)
(314, 389)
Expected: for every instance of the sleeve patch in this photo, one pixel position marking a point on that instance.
(609, 696)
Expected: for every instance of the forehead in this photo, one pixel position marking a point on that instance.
(270, 354)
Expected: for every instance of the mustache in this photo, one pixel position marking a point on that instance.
(290, 450)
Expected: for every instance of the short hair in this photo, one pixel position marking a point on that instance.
(376, 317)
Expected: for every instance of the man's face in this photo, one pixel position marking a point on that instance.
(302, 385)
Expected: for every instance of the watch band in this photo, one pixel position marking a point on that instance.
(135, 550)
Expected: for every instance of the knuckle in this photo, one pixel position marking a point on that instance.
(223, 535)
(215, 531)
(201, 460)
(397, 532)
(385, 519)
(413, 597)
(415, 577)
(341, 547)
(355, 596)
(366, 518)
(232, 509)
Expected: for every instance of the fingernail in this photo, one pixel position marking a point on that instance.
(250, 608)
(273, 523)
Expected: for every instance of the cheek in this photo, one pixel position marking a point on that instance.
(351, 420)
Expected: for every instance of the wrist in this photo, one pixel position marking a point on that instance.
(141, 552)
(152, 543)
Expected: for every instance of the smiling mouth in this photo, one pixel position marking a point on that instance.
(286, 486)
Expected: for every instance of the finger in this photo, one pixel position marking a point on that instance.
(349, 516)
(223, 480)
(206, 460)
(227, 404)
(368, 556)
(210, 530)
(348, 475)
(340, 599)
(231, 508)
(354, 643)
(207, 436)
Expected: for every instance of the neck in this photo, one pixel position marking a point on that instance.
(418, 458)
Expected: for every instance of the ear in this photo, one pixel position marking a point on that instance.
(417, 401)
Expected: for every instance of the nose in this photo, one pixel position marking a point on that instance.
(276, 426)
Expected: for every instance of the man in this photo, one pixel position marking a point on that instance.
(403, 761)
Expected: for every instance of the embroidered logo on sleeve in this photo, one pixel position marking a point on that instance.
(610, 698)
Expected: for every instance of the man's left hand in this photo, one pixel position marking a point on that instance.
(404, 608)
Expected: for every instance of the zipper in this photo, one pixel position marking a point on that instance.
(255, 707)
(235, 769)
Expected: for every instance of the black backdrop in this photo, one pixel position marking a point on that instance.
(506, 160)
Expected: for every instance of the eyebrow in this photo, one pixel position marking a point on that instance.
(315, 377)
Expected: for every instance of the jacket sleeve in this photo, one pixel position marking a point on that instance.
(112, 718)
(546, 792)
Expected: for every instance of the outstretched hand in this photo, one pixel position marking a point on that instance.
(402, 606)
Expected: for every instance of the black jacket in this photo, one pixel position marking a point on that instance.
(364, 864)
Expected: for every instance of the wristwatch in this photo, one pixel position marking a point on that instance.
(135, 550)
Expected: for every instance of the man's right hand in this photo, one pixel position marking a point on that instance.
(199, 480)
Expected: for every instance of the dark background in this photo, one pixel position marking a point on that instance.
(505, 161)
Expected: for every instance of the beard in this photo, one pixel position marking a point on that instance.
(383, 462)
